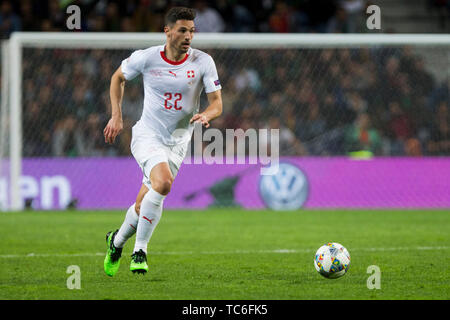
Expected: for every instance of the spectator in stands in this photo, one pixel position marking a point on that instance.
(280, 19)
(67, 138)
(242, 19)
(142, 16)
(207, 19)
(56, 16)
(91, 142)
(126, 25)
(389, 86)
(81, 102)
(289, 115)
(424, 81)
(61, 89)
(356, 103)
(405, 92)
(9, 21)
(400, 128)
(36, 137)
(132, 104)
(442, 8)
(289, 144)
(96, 23)
(112, 17)
(361, 136)
(355, 14)
(413, 148)
(311, 129)
(29, 21)
(246, 78)
(441, 93)
(439, 143)
(49, 106)
(320, 14)
(339, 22)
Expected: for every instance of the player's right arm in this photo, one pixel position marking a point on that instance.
(116, 90)
(128, 70)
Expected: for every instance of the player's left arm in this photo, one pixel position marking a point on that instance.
(213, 110)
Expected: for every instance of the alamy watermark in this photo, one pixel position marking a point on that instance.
(374, 280)
(235, 146)
(73, 22)
(74, 280)
(374, 20)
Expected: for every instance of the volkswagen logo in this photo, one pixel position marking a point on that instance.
(286, 190)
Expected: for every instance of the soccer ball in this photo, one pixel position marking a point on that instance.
(332, 260)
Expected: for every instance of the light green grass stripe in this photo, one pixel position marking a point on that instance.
(45, 255)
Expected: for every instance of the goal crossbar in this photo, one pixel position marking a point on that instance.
(229, 40)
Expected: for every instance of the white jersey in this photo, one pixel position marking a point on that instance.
(171, 89)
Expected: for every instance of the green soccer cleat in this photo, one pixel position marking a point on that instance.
(139, 262)
(112, 260)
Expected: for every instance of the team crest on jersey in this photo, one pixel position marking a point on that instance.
(190, 74)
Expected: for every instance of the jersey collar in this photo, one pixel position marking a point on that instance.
(175, 63)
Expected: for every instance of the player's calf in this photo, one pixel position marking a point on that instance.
(139, 198)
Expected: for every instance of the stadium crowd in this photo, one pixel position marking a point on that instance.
(335, 16)
(212, 16)
(325, 101)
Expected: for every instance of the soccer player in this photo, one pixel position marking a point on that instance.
(174, 76)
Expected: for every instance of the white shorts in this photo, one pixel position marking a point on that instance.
(148, 150)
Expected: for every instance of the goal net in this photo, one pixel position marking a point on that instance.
(330, 95)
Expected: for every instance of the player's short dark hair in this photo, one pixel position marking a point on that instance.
(179, 13)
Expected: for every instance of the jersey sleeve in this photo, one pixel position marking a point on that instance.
(134, 65)
(210, 78)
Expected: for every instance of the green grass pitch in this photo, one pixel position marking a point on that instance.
(228, 254)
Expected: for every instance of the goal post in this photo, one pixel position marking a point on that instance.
(4, 121)
(13, 61)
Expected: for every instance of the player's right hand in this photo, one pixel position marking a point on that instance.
(112, 130)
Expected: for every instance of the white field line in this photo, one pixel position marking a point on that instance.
(45, 255)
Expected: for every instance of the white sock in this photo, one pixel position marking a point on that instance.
(128, 227)
(151, 210)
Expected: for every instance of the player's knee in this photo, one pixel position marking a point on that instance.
(162, 186)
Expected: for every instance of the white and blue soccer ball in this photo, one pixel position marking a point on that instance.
(332, 260)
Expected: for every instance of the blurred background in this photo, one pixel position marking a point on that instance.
(335, 16)
(386, 100)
